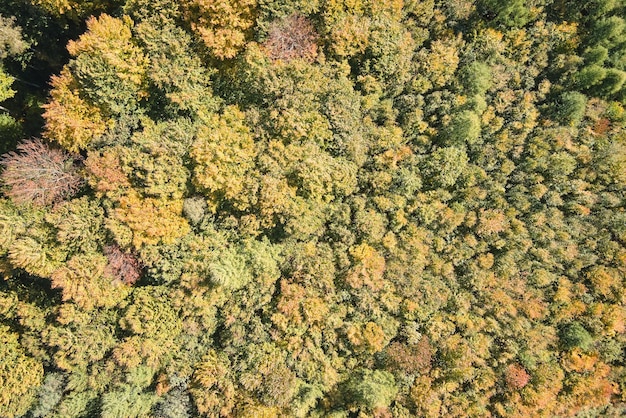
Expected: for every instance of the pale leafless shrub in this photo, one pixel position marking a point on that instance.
(292, 38)
(39, 174)
(122, 266)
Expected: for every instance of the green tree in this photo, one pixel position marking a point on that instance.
(476, 78)
(575, 335)
(445, 165)
(74, 9)
(464, 129)
(152, 325)
(372, 389)
(571, 108)
(174, 69)
(79, 339)
(128, 402)
(514, 13)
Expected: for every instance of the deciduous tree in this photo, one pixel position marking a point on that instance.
(20, 376)
(39, 174)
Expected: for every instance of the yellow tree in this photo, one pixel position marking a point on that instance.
(223, 25)
(83, 280)
(224, 153)
(20, 375)
(73, 9)
(106, 77)
(139, 221)
(70, 120)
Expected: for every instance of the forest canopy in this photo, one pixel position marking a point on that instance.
(328, 208)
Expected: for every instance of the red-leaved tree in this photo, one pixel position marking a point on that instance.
(410, 359)
(516, 377)
(122, 266)
(291, 38)
(39, 174)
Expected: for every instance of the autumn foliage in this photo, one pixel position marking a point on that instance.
(292, 38)
(122, 266)
(516, 377)
(37, 173)
(222, 25)
(325, 208)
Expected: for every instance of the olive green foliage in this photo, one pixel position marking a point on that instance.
(373, 389)
(11, 39)
(20, 376)
(5, 86)
(224, 154)
(464, 128)
(10, 131)
(289, 208)
(74, 9)
(575, 335)
(512, 13)
(572, 108)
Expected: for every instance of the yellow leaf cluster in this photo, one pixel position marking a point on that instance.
(111, 39)
(70, 120)
(221, 24)
(19, 376)
(73, 9)
(369, 337)
(149, 221)
(224, 153)
(604, 280)
(82, 281)
(440, 62)
(368, 269)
